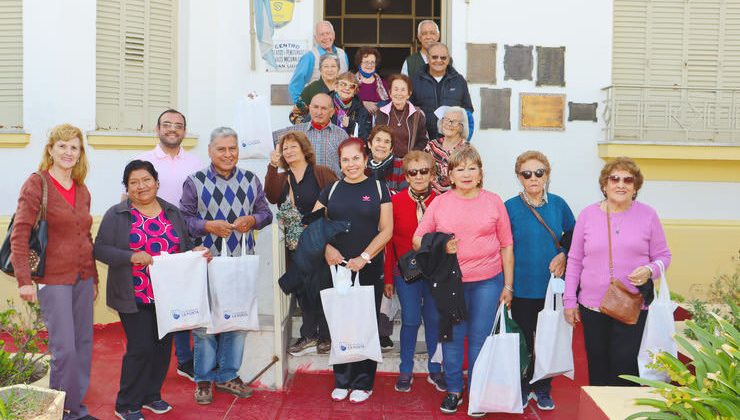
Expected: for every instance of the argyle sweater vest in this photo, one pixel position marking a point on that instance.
(226, 199)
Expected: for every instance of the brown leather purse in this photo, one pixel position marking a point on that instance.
(619, 302)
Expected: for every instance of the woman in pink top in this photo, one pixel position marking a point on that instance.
(484, 248)
(638, 242)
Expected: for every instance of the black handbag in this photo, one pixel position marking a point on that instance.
(36, 242)
(410, 270)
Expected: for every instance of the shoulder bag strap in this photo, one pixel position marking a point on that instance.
(44, 198)
(609, 235)
(537, 215)
(331, 191)
(380, 193)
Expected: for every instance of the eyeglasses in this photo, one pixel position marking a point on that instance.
(628, 180)
(539, 173)
(414, 172)
(347, 85)
(439, 57)
(368, 63)
(176, 126)
(451, 121)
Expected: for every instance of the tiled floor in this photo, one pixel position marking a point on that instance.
(307, 396)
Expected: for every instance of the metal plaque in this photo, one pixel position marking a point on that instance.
(518, 62)
(550, 66)
(279, 95)
(482, 63)
(495, 108)
(582, 112)
(541, 111)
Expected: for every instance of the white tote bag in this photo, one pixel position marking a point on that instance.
(659, 329)
(353, 322)
(252, 124)
(496, 385)
(553, 341)
(180, 286)
(232, 286)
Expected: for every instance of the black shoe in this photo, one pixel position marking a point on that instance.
(386, 344)
(186, 370)
(451, 402)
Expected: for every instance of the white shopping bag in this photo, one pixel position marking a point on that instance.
(390, 307)
(252, 124)
(659, 329)
(553, 341)
(232, 286)
(180, 286)
(496, 385)
(353, 323)
(437, 357)
(341, 279)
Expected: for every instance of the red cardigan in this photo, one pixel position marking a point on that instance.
(404, 226)
(69, 253)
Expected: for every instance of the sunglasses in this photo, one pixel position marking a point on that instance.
(539, 173)
(439, 57)
(628, 180)
(414, 172)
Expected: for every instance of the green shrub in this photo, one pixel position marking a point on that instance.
(24, 364)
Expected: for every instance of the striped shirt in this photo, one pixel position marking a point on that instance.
(325, 142)
(441, 181)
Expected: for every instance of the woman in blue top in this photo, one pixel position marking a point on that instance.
(536, 254)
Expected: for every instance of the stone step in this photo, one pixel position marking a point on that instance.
(320, 362)
(296, 329)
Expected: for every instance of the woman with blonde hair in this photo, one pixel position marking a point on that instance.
(69, 283)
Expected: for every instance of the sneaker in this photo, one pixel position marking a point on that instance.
(339, 394)
(203, 393)
(403, 384)
(186, 370)
(323, 346)
(438, 380)
(450, 403)
(235, 387)
(88, 417)
(303, 346)
(544, 400)
(476, 415)
(158, 407)
(130, 415)
(386, 344)
(359, 396)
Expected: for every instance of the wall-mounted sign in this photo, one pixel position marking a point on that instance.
(541, 111)
(550, 66)
(282, 12)
(518, 62)
(287, 54)
(582, 112)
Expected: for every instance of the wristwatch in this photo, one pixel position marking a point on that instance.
(365, 256)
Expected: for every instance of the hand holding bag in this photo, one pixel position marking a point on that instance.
(37, 241)
(659, 330)
(553, 350)
(619, 302)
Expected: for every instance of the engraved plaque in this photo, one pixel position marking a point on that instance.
(518, 62)
(495, 108)
(550, 66)
(582, 112)
(482, 63)
(541, 111)
(279, 95)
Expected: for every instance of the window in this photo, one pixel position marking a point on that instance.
(11, 64)
(136, 63)
(675, 71)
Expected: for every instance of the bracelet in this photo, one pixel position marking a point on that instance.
(509, 288)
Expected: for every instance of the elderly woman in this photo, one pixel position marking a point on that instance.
(366, 204)
(540, 249)
(416, 299)
(348, 110)
(373, 88)
(328, 72)
(295, 191)
(632, 246)
(483, 245)
(454, 129)
(69, 282)
(131, 233)
(383, 164)
(407, 122)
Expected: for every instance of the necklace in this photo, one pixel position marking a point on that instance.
(393, 110)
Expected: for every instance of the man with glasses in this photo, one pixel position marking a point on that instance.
(428, 35)
(439, 84)
(174, 164)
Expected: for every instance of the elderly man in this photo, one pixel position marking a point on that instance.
(428, 35)
(307, 69)
(220, 204)
(439, 84)
(323, 134)
(174, 164)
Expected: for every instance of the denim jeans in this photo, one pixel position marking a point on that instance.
(481, 299)
(225, 350)
(183, 352)
(417, 304)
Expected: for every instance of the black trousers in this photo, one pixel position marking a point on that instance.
(611, 347)
(361, 375)
(145, 362)
(314, 322)
(525, 311)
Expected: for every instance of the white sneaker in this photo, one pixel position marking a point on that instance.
(339, 394)
(359, 396)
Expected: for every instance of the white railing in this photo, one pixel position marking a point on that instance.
(281, 306)
(672, 114)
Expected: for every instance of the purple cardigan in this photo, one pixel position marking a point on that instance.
(637, 239)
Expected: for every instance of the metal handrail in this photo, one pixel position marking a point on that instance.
(280, 305)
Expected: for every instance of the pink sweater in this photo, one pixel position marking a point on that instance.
(637, 239)
(481, 225)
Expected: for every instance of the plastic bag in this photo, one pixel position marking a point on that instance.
(659, 329)
(553, 341)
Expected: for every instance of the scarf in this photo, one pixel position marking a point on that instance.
(379, 88)
(319, 127)
(420, 198)
(381, 170)
(341, 109)
(366, 75)
(525, 198)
